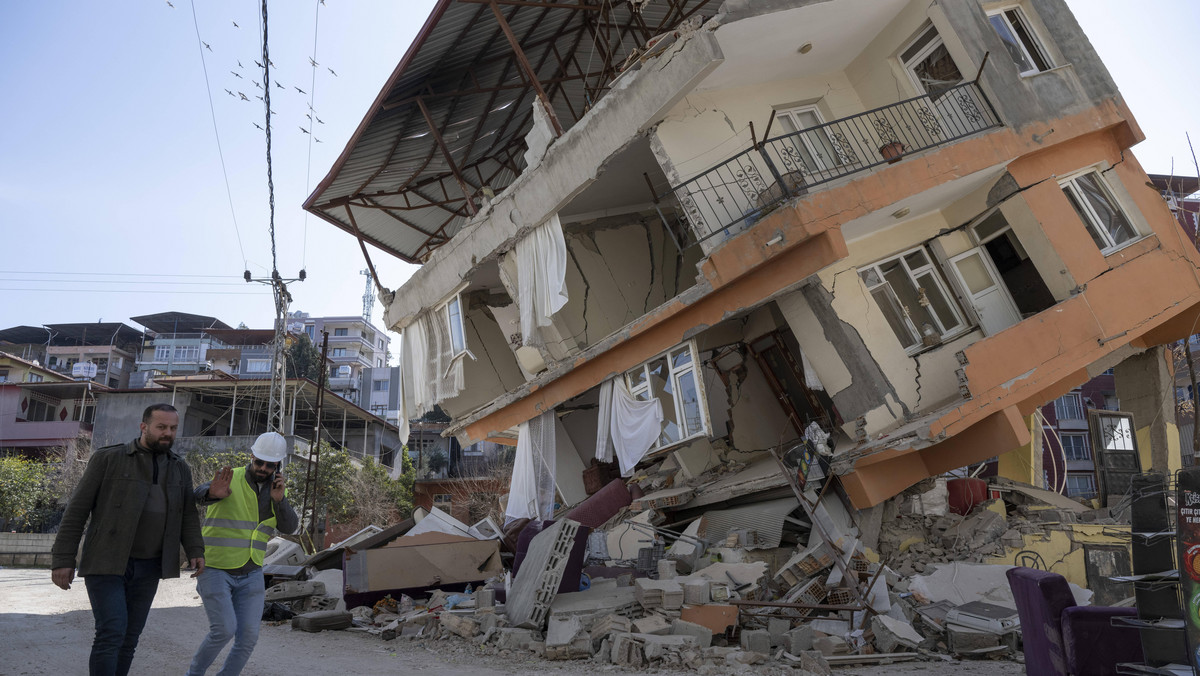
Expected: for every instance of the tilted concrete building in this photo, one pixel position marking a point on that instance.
(911, 223)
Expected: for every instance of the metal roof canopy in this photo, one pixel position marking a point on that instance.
(66, 335)
(453, 116)
(179, 322)
(243, 336)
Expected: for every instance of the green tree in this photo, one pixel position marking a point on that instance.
(303, 359)
(23, 487)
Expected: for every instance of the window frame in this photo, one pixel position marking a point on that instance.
(835, 160)
(1091, 479)
(933, 267)
(1060, 406)
(264, 364)
(380, 385)
(341, 333)
(338, 352)
(922, 53)
(1087, 213)
(675, 376)
(448, 316)
(1083, 447)
(1038, 50)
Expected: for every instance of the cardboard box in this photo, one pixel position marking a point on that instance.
(415, 564)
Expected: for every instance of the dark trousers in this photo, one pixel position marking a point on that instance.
(120, 604)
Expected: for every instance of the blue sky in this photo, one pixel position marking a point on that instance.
(110, 170)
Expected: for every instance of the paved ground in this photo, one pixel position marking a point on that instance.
(48, 631)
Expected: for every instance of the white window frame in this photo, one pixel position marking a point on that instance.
(675, 377)
(920, 55)
(258, 366)
(35, 378)
(1032, 52)
(443, 498)
(380, 385)
(1091, 220)
(1063, 407)
(341, 333)
(1078, 449)
(338, 352)
(930, 267)
(448, 315)
(835, 160)
(162, 353)
(187, 354)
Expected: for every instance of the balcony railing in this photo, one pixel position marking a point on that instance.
(736, 193)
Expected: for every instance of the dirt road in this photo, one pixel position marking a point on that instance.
(49, 631)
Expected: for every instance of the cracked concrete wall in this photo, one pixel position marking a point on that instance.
(494, 370)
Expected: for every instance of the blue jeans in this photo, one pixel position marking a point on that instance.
(120, 604)
(234, 604)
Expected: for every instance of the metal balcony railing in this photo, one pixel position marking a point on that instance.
(734, 194)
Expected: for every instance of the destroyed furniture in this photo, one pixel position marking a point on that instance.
(1064, 639)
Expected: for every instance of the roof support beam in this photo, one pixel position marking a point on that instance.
(371, 266)
(534, 3)
(437, 136)
(525, 65)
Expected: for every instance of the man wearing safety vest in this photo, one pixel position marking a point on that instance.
(245, 507)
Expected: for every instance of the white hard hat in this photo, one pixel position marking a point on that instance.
(270, 447)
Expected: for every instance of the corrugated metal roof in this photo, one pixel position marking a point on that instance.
(394, 178)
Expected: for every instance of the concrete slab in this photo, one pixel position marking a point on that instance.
(532, 593)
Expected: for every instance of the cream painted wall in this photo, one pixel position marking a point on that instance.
(876, 74)
(494, 370)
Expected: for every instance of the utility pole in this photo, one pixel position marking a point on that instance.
(283, 298)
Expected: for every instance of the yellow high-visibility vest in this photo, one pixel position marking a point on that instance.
(232, 532)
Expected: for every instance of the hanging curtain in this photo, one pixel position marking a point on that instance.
(811, 380)
(532, 488)
(626, 426)
(430, 370)
(541, 276)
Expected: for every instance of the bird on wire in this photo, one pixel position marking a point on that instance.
(330, 70)
(300, 90)
(235, 24)
(244, 97)
(206, 45)
(237, 75)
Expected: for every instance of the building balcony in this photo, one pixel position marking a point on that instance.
(736, 193)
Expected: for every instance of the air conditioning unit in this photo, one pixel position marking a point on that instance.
(343, 371)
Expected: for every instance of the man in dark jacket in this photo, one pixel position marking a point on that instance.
(139, 499)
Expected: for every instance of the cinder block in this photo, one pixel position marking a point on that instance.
(701, 633)
(799, 639)
(756, 640)
(537, 582)
(777, 627)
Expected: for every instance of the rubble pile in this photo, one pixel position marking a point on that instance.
(704, 568)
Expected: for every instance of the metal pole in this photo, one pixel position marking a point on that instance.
(233, 408)
(527, 67)
(314, 455)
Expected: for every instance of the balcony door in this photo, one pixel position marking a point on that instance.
(934, 73)
(983, 291)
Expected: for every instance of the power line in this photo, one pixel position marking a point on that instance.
(112, 274)
(220, 153)
(207, 293)
(312, 112)
(266, 67)
(117, 281)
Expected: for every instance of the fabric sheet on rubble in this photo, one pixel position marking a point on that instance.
(959, 582)
(626, 425)
(541, 277)
(531, 492)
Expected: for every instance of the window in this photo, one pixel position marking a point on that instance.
(1075, 446)
(380, 344)
(35, 377)
(813, 150)
(340, 332)
(311, 332)
(379, 385)
(379, 409)
(912, 297)
(441, 499)
(3, 375)
(1068, 407)
(1019, 39)
(338, 352)
(40, 408)
(258, 366)
(1092, 200)
(162, 353)
(672, 378)
(1081, 485)
(454, 319)
(378, 363)
(187, 353)
(930, 65)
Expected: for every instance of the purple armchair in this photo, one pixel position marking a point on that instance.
(1063, 639)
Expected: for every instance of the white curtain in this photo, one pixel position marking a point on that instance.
(626, 425)
(811, 380)
(532, 489)
(429, 370)
(541, 276)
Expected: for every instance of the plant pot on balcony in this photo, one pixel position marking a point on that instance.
(892, 152)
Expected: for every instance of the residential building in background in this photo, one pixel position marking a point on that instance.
(354, 344)
(910, 224)
(176, 343)
(41, 409)
(103, 352)
(1068, 437)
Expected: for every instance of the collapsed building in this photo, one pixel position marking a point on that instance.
(872, 236)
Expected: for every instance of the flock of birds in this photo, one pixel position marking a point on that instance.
(241, 96)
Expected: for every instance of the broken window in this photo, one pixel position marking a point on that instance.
(913, 299)
(1097, 208)
(930, 65)
(452, 311)
(1021, 42)
(673, 379)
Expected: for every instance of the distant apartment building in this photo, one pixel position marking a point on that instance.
(176, 343)
(41, 409)
(355, 344)
(1068, 442)
(102, 352)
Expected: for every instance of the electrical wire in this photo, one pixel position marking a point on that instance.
(217, 134)
(221, 293)
(101, 281)
(109, 274)
(266, 67)
(312, 113)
